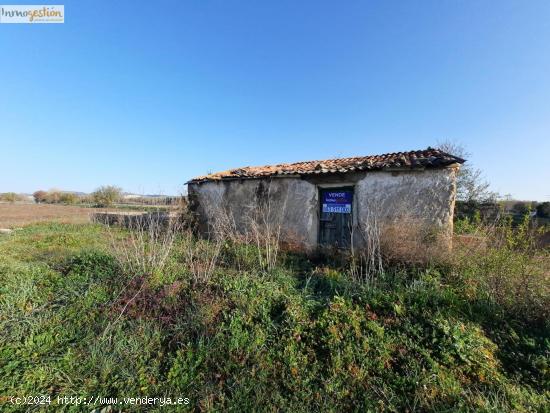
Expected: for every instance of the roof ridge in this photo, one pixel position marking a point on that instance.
(424, 158)
(429, 148)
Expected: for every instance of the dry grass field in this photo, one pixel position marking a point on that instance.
(17, 215)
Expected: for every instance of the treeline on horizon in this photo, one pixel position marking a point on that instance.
(103, 196)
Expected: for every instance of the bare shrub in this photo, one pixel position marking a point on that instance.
(250, 242)
(147, 247)
(366, 262)
(253, 239)
(201, 256)
(264, 223)
(143, 252)
(380, 241)
(235, 242)
(471, 186)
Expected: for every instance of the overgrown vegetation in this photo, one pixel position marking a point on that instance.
(505, 262)
(209, 320)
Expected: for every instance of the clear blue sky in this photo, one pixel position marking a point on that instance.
(146, 96)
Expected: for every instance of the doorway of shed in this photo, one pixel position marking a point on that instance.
(335, 216)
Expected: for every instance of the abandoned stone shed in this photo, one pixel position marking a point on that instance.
(331, 202)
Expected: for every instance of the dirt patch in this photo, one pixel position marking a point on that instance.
(17, 215)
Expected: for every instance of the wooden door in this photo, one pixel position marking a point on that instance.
(335, 217)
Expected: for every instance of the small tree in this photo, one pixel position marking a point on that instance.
(40, 196)
(470, 184)
(106, 195)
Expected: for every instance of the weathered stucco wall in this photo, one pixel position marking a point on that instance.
(427, 197)
(292, 202)
(413, 209)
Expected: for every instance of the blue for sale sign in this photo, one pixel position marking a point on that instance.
(338, 202)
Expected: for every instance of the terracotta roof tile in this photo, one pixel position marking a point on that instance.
(428, 158)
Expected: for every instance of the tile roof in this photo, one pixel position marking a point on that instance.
(428, 158)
